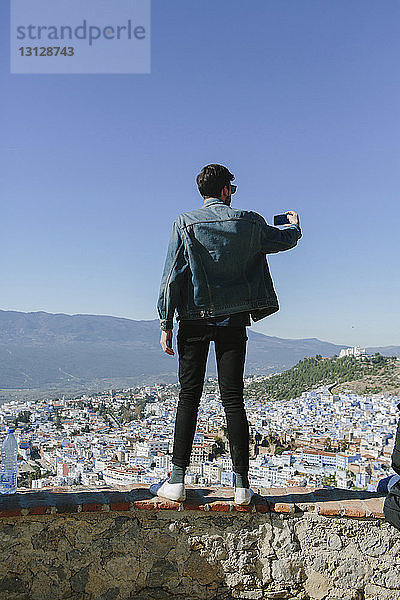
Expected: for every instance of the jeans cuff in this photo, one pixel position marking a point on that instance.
(180, 463)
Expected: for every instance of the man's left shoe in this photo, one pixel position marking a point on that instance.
(171, 491)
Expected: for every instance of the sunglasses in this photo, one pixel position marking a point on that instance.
(233, 188)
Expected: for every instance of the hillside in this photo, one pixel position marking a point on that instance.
(79, 352)
(62, 353)
(378, 373)
(387, 381)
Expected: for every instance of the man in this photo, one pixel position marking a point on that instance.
(391, 485)
(216, 276)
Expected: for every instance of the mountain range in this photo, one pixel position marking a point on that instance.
(40, 350)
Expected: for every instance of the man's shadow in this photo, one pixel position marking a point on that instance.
(66, 499)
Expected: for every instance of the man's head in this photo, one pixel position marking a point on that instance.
(214, 181)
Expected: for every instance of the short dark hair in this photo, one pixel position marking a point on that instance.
(212, 179)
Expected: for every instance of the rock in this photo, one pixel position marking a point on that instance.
(373, 544)
(284, 541)
(110, 594)
(317, 585)
(352, 573)
(122, 568)
(376, 592)
(195, 543)
(80, 579)
(248, 595)
(159, 543)
(247, 540)
(334, 542)
(197, 568)
(13, 583)
(240, 581)
(162, 573)
(265, 536)
(392, 579)
(289, 571)
(173, 527)
(345, 595)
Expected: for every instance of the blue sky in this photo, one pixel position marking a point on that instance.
(298, 98)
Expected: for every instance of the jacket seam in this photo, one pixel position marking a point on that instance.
(244, 269)
(168, 279)
(218, 221)
(247, 305)
(206, 278)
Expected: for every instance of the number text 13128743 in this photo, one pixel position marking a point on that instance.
(46, 51)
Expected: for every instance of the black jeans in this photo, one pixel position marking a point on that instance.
(230, 350)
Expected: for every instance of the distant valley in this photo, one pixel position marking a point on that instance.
(43, 351)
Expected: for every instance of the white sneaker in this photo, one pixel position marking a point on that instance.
(243, 496)
(171, 491)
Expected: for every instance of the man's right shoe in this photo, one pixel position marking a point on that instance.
(243, 496)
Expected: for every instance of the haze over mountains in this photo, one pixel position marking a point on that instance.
(42, 350)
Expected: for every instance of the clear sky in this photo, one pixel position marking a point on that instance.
(300, 99)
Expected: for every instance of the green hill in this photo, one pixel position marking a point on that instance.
(313, 372)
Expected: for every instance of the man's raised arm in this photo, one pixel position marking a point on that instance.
(274, 239)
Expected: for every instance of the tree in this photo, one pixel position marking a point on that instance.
(23, 416)
(218, 447)
(329, 480)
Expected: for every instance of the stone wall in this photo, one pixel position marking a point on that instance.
(114, 545)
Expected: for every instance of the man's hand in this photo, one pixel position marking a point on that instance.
(293, 218)
(166, 342)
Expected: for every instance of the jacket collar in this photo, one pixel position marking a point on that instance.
(211, 201)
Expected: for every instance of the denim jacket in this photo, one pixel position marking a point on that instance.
(216, 264)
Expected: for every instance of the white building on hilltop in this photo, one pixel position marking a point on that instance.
(354, 351)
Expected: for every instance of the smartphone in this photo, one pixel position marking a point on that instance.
(281, 220)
